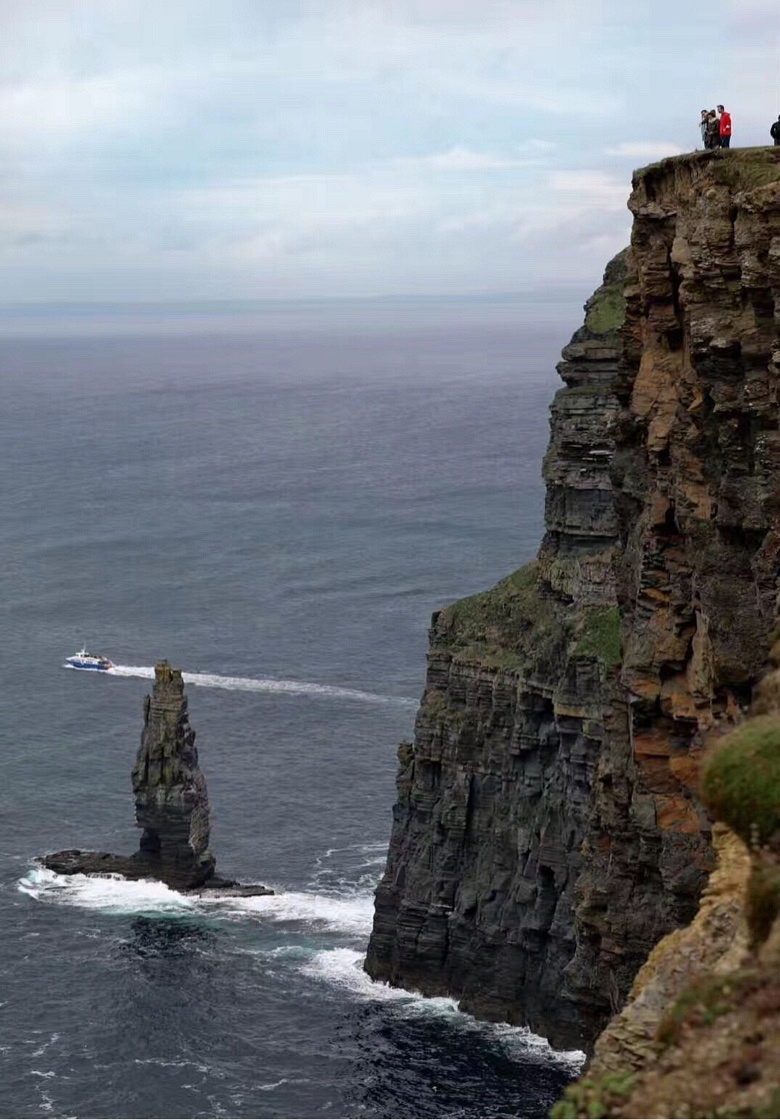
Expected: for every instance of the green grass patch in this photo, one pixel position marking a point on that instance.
(595, 1098)
(606, 310)
(746, 170)
(704, 1001)
(512, 626)
(741, 780)
(599, 636)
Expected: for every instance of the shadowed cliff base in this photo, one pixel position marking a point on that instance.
(548, 830)
(171, 804)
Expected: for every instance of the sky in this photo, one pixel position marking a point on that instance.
(175, 150)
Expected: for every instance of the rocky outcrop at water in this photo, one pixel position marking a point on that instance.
(171, 804)
(548, 830)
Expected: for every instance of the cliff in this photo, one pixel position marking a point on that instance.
(548, 830)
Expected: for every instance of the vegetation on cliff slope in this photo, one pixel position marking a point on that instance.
(511, 626)
(715, 1048)
(741, 782)
(598, 635)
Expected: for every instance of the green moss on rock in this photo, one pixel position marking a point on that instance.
(707, 999)
(606, 311)
(741, 780)
(599, 636)
(512, 626)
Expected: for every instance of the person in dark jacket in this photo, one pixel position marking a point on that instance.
(712, 139)
(703, 127)
(724, 123)
(774, 132)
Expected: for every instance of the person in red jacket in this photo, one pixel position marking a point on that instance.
(725, 127)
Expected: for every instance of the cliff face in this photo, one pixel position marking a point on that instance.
(547, 832)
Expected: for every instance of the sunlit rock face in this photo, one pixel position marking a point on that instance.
(547, 831)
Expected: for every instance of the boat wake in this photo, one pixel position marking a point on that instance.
(267, 684)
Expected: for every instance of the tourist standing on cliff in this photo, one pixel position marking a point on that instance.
(725, 127)
(703, 127)
(774, 132)
(712, 137)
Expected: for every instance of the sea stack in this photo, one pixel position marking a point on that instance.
(171, 798)
(171, 804)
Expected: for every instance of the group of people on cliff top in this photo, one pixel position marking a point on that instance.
(715, 128)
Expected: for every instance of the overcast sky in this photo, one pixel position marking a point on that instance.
(217, 149)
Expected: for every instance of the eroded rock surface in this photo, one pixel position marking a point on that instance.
(548, 830)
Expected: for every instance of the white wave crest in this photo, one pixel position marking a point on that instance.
(344, 968)
(347, 914)
(111, 893)
(267, 684)
(351, 914)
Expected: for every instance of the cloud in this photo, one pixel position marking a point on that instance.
(336, 146)
(646, 150)
(459, 158)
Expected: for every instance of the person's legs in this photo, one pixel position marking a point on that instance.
(725, 141)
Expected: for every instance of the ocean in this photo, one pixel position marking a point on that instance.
(276, 507)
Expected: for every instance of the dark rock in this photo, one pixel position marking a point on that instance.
(171, 799)
(171, 805)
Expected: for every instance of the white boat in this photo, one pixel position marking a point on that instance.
(84, 660)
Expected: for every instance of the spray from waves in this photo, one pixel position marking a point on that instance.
(110, 893)
(349, 915)
(266, 684)
(344, 969)
(342, 914)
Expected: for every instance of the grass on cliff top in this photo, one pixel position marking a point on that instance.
(741, 780)
(746, 169)
(739, 168)
(509, 626)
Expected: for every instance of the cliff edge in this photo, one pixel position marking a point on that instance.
(548, 830)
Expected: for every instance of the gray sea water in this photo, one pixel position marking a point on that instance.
(276, 511)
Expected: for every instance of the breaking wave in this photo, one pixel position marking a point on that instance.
(347, 914)
(343, 968)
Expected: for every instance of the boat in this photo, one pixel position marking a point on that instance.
(84, 660)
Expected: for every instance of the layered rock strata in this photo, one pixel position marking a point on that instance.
(171, 803)
(699, 1035)
(548, 832)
